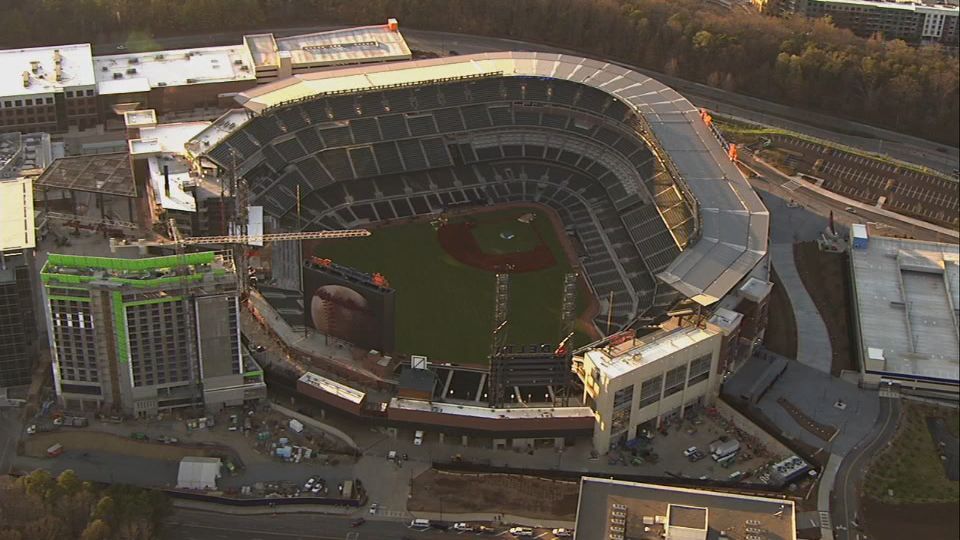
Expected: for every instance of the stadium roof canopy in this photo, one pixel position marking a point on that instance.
(734, 223)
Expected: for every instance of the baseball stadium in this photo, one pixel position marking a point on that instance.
(528, 165)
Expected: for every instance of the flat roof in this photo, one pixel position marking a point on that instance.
(140, 118)
(139, 72)
(734, 223)
(330, 386)
(16, 214)
(646, 510)
(488, 412)
(210, 136)
(907, 299)
(76, 69)
(618, 360)
(375, 43)
(109, 174)
(167, 144)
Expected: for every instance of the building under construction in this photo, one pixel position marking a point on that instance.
(146, 335)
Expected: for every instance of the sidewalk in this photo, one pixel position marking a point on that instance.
(308, 421)
(813, 341)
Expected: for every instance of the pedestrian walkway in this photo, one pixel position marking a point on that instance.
(813, 341)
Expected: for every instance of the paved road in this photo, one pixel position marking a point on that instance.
(846, 491)
(10, 428)
(198, 525)
(898, 145)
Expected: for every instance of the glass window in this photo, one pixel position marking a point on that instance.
(650, 391)
(674, 380)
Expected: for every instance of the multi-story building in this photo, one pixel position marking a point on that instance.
(913, 21)
(616, 509)
(47, 89)
(141, 336)
(18, 330)
(635, 384)
(276, 58)
(53, 89)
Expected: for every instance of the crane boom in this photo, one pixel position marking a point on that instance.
(275, 237)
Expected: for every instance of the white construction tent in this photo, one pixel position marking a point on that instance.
(198, 473)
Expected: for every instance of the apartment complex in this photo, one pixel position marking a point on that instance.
(142, 336)
(18, 328)
(914, 21)
(54, 89)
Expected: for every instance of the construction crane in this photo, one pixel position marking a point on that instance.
(243, 239)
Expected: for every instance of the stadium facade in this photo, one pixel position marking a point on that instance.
(660, 215)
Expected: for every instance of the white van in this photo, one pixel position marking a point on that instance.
(420, 524)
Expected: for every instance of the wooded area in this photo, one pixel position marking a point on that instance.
(793, 61)
(41, 507)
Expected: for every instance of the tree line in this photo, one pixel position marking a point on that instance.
(39, 506)
(794, 60)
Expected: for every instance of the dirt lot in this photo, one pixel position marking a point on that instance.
(826, 278)
(781, 334)
(899, 521)
(436, 491)
(36, 445)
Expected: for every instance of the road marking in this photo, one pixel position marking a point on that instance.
(825, 520)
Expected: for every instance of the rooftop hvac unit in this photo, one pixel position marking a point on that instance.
(26, 79)
(34, 66)
(104, 68)
(238, 62)
(158, 57)
(118, 75)
(191, 81)
(133, 60)
(57, 57)
(161, 83)
(131, 71)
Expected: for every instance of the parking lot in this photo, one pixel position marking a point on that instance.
(906, 191)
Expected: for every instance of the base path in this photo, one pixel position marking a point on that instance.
(458, 241)
(813, 341)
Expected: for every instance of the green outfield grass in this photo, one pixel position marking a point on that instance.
(445, 309)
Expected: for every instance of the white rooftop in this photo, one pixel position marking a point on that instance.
(907, 299)
(167, 142)
(139, 72)
(76, 68)
(638, 352)
(342, 391)
(488, 412)
(217, 131)
(198, 473)
(142, 118)
(346, 46)
(904, 5)
(16, 214)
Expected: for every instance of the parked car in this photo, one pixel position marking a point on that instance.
(696, 456)
(562, 532)
(418, 438)
(358, 522)
(689, 451)
(521, 531)
(373, 508)
(463, 527)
